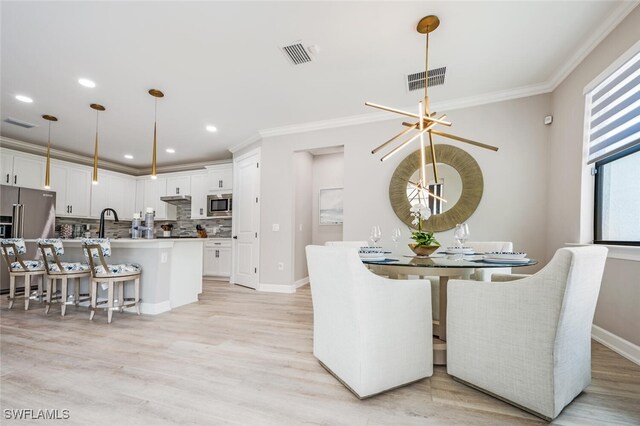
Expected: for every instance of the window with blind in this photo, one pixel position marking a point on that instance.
(613, 125)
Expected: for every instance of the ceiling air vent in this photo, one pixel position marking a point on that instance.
(20, 123)
(416, 81)
(297, 53)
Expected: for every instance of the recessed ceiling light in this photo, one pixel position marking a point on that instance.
(211, 128)
(171, 150)
(23, 98)
(86, 82)
(128, 156)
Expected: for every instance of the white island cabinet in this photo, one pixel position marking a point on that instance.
(171, 268)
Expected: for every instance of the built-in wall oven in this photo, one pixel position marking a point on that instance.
(219, 205)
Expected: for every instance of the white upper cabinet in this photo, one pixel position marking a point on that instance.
(153, 190)
(19, 169)
(179, 185)
(220, 178)
(72, 185)
(6, 167)
(139, 204)
(199, 196)
(122, 196)
(115, 191)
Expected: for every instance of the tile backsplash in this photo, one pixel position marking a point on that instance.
(183, 226)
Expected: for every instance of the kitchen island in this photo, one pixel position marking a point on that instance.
(171, 268)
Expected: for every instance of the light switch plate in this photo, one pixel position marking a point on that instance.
(275, 227)
(164, 257)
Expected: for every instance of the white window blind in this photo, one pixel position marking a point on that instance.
(613, 109)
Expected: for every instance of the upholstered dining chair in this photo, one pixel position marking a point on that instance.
(356, 244)
(373, 334)
(51, 249)
(112, 277)
(13, 250)
(528, 341)
(478, 275)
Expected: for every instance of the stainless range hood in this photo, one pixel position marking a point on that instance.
(177, 199)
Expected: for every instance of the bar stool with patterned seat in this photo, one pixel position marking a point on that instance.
(111, 277)
(56, 270)
(20, 267)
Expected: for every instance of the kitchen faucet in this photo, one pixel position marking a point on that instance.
(101, 227)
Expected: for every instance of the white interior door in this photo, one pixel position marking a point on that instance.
(246, 219)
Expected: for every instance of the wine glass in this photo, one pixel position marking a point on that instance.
(395, 236)
(375, 235)
(461, 234)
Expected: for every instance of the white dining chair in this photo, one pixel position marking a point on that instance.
(528, 341)
(356, 244)
(478, 275)
(372, 333)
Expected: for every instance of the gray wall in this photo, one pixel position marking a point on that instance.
(328, 172)
(513, 206)
(303, 204)
(570, 189)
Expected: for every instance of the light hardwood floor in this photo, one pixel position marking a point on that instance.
(242, 357)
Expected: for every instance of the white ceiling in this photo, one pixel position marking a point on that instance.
(219, 63)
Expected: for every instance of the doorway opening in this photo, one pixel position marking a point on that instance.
(319, 175)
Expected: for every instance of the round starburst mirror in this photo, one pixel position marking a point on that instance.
(460, 183)
(448, 187)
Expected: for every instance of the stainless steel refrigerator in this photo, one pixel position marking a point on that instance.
(26, 213)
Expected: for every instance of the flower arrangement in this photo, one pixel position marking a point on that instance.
(422, 238)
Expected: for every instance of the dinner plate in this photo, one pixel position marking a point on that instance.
(456, 250)
(373, 259)
(506, 255)
(376, 256)
(506, 261)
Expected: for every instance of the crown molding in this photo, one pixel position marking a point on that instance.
(460, 103)
(30, 148)
(57, 154)
(608, 25)
(247, 142)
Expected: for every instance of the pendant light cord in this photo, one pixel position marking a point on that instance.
(426, 75)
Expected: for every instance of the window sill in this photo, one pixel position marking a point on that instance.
(616, 252)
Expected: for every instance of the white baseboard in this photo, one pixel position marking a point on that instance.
(276, 288)
(301, 282)
(617, 344)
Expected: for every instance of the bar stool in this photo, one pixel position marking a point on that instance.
(111, 277)
(20, 267)
(56, 270)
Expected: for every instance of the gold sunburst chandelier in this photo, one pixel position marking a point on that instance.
(426, 123)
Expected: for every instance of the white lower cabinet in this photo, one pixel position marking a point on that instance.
(217, 258)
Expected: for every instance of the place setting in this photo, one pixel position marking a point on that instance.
(374, 253)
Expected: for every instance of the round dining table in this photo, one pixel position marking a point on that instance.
(445, 267)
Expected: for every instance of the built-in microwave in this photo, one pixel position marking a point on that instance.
(219, 205)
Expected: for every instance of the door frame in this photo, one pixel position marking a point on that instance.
(254, 152)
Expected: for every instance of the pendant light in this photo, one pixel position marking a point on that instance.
(94, 178)
(156, 94)
(47, 172)
(426, 121)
